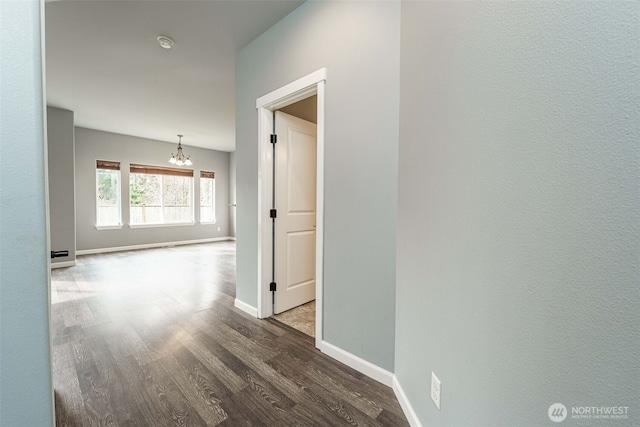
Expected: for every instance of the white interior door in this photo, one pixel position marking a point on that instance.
(295, 196)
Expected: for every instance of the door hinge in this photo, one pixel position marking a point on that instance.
(272, 213)
(274, 138)
(272, 286)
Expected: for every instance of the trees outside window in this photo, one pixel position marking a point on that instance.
(160, 195)
(108, 212)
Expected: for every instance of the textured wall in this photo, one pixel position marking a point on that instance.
(26, 390)
(62, 194)
(518, 237)
(358, 43)
(92, 145)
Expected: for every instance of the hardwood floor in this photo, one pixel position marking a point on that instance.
(151, 338)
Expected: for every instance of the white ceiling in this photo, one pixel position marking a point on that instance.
(104, 63)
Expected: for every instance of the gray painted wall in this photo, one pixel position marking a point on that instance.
(62, 194)
(518, 238)
(26, 391)
(358, 43)
(232, 194)
(92, 145)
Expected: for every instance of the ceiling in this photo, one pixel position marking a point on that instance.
(105, 64)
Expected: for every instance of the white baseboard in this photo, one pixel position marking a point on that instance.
(232, 238)
(149, 246)
(405, 404)
(357, 363)
(63, 264)
(246, 308)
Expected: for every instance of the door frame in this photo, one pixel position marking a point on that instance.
(309, 85)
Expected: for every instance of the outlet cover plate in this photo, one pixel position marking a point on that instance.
(436, 385)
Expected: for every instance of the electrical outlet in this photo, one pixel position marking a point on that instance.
(218, 228)
(436, 385)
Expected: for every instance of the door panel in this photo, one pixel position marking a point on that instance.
(301, 263)
(295, 194)
(301, 194)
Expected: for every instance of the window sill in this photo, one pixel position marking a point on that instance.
(109, 227)
(208, 222)
(166, 224)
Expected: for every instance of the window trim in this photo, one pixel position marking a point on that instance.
(162, 224)
(111, 166)
(109, 227)
(212, 176)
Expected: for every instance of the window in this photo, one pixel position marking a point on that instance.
(207, 196)
(108, 212)
(160, 195)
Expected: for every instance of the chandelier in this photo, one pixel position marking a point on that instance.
(180, 159)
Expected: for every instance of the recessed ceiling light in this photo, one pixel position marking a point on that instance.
(165, 42)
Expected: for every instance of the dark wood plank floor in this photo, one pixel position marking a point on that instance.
(151, 338)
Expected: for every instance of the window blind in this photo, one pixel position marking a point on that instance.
(205, 174)
(106, 164)
(159, 170)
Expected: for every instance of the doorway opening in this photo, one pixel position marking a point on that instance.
(306, 88)
(295, 190)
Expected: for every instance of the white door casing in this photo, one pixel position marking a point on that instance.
(304, 87)
(295, 191)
